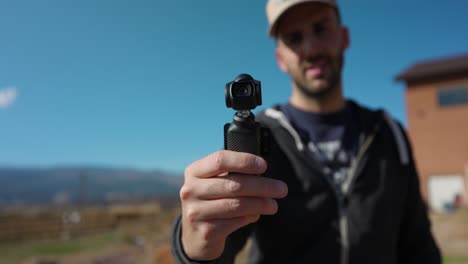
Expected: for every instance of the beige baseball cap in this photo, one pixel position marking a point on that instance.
(276, 8)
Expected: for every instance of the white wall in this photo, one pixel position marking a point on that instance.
(442, 190)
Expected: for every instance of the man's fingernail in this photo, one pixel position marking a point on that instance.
(282, 187)
(261, 163)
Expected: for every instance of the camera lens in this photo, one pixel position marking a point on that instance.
(244, 93)
(241, 90)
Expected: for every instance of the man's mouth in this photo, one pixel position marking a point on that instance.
(316, 69)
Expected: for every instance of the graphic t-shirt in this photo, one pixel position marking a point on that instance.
(332, 139)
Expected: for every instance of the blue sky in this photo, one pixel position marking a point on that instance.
(141, 83)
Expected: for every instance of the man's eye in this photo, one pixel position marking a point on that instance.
(320, 30)
(294, 39)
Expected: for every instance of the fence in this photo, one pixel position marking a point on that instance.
(55, 223)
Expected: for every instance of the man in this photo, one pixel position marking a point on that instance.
(339, 185)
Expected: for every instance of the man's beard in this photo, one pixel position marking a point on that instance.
(331, 82)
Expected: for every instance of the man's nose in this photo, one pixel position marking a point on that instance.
(311, 47)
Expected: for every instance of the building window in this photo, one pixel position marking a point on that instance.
(453, 96)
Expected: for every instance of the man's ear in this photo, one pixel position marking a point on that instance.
(279, 60)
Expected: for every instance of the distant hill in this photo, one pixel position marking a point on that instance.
(69, 185)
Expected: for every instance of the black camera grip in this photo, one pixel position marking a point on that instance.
(237, 138)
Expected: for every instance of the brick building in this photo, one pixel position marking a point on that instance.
(437, 111)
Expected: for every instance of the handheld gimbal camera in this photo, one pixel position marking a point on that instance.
(244, 134)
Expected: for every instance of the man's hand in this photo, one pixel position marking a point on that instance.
(215, 203)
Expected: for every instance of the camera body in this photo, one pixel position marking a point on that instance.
(244, 134)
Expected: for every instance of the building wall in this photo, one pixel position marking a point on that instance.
(439, 135)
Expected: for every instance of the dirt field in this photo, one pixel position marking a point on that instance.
(133, 242)
(150, 245)
(451, 232)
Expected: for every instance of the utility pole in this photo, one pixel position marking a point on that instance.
(82, 192)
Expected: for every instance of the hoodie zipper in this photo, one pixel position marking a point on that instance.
(342, 195)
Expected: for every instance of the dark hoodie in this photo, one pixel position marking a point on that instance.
(378, 216)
